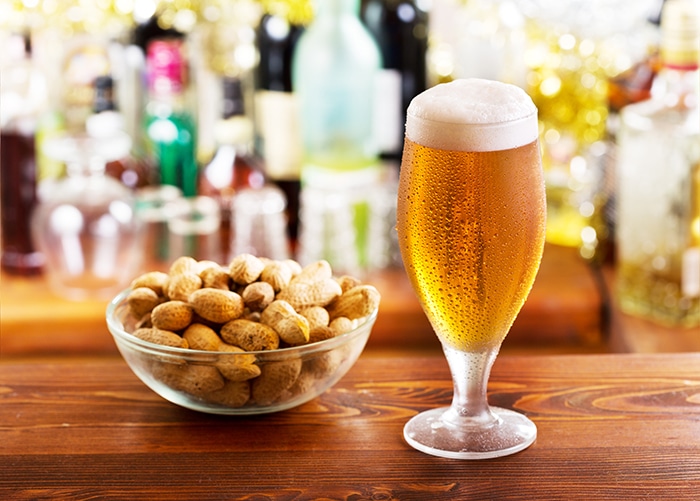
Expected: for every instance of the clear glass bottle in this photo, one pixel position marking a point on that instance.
(334, 68)
(658, 251)
(334, 72)
(170, 127)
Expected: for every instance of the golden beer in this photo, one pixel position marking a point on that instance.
(471, 211)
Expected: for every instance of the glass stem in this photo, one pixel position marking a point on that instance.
(470, 374)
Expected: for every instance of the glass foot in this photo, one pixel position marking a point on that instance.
(432, 433)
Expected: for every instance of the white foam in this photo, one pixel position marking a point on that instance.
(472, 115)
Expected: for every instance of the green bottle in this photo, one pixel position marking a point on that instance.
(170, 128)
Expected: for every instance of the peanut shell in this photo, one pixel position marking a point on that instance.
(291, 327)
(216, 305)
(141, 300)
(183, 284)
(249, 335)
(201, 337)
(172, 316)
(160, 336)
(275, 378)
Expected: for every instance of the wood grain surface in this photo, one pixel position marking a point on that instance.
(609, 427)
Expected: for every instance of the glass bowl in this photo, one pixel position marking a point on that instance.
(192, 378)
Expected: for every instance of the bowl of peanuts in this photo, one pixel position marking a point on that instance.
(252, 337)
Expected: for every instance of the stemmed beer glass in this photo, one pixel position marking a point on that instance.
(471, 226)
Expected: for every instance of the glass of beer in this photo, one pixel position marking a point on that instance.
(471, 227)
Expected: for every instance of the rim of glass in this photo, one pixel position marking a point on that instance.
(116, 328)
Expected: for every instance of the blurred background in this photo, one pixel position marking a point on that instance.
(137, 131)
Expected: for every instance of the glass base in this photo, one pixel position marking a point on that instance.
(431, 433)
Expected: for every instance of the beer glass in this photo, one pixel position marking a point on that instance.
(471, 226)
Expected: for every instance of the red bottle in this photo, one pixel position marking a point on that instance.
(22, 94)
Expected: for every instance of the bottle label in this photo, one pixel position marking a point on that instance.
(388, 116)
(690, 280)
(280, 130)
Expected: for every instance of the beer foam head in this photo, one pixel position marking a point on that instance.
(472, 115)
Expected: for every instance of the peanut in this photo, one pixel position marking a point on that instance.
(302, 294)
(172, 316)
(341, 325)
(216, 305)
(275, 378)
(201, 337)
(316, 315)
(293, 266)
(355, 303)
(160, 336)
(141, 300)
(154, 280)
(347, 282)
(278, 274)
(319, 270)
(183, 264)
(233, 394)
(237, 367)
(291, 327)
(205, 264)
(215, 277)
(197, 380)
(320, 333)
(245, 269)
(304, 383)
(180, 286)
(258, 295)
(325, 363)
(249, 335)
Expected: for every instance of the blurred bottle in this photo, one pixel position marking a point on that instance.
(335, 66)
(658, 247)
(400, 28)
(234, 165)
(334, 72)
(277, 110)
(22, 93)
(132, 87)
(170, 127)
(630, 86)
(133, 170)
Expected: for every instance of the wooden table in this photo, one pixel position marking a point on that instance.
(610, 427)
